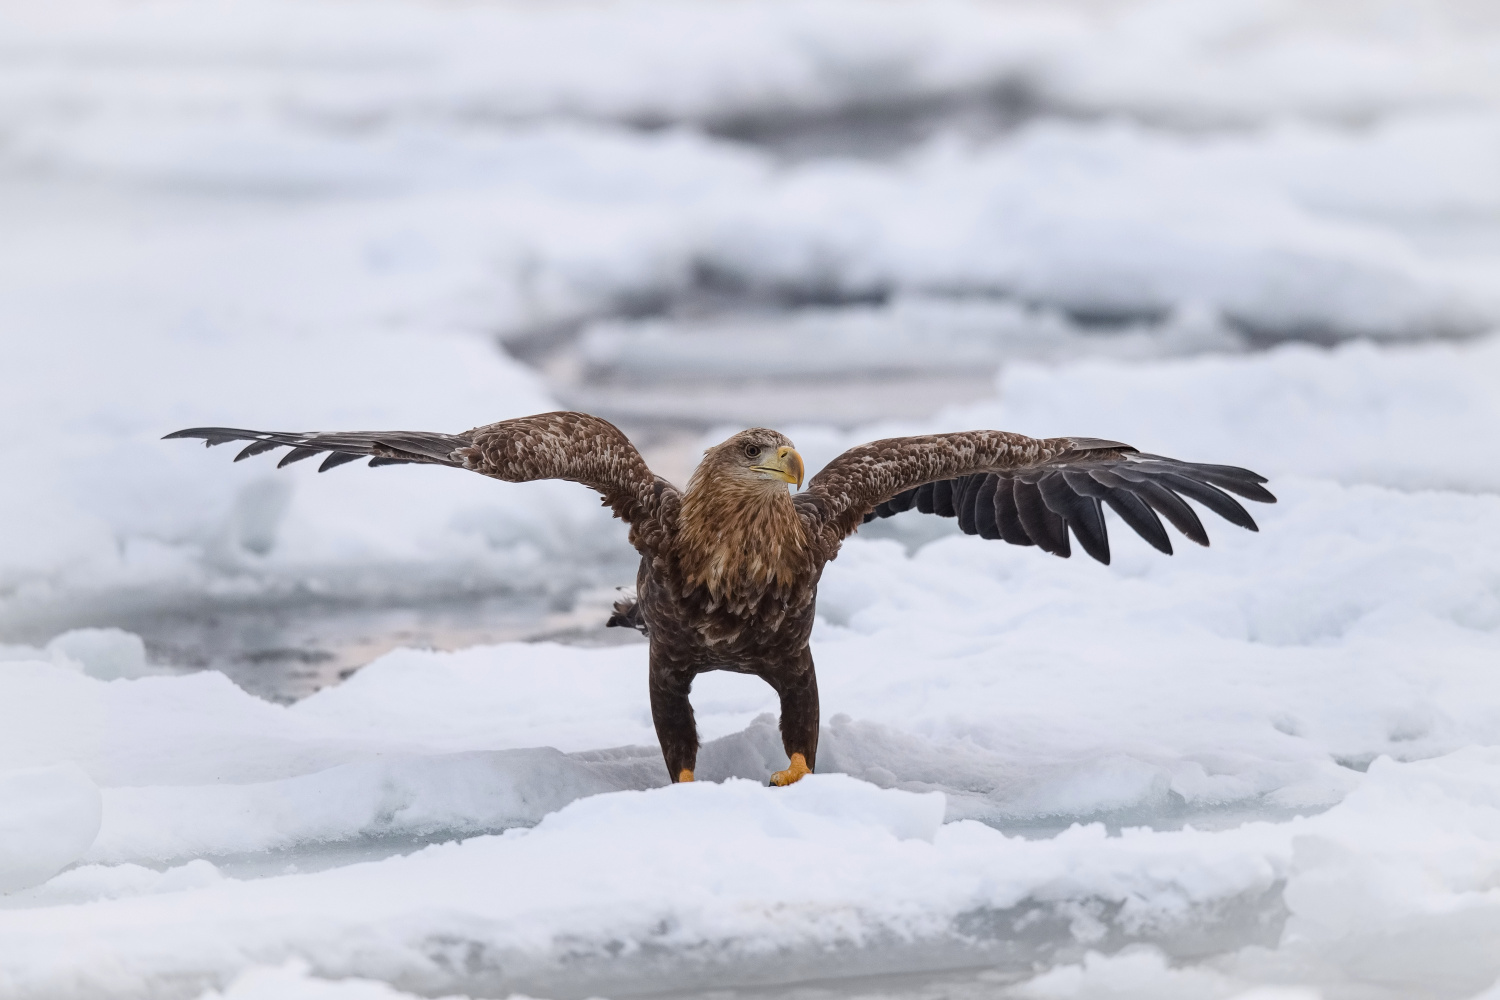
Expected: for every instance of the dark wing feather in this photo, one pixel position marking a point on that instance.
(572, 446)
(923, 500)
(1138, 514)
(942, 498)
(298, 454)
(337, 459)
(410, 446)
(902, 502)
(1080, 511)
(1214, 499)
(984, 507)
(257, 448)
(1172, 507)
(1042, 524)
(1007, 515)
(1030, 492)
(966, 494)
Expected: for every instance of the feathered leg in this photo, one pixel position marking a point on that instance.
(798, 689)
(673, 714)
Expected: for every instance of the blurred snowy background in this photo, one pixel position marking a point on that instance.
(245, 715)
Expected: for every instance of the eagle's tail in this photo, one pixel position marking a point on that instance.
(627, 614)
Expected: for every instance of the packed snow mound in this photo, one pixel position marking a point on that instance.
(836, 872)
(48, 818)
(86, 883)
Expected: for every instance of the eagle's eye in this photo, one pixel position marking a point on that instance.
(752, 451)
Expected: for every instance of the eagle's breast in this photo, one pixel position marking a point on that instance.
(745, 551)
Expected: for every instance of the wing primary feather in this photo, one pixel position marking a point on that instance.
(984, 506)
(337, 459)
(1172, 507)
(1229, 477)
(1250, 491)
(1227, 471)
(1214, 499)
(213, 435)
(380, 460)
(1008, 515)
(257, 448)
(1081, 513)
(1242, 481)
(1138, 515)
(298, 454)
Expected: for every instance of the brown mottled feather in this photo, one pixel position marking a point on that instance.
(573, 446)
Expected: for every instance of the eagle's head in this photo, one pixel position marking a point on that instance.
(740, 532)
(758, 458)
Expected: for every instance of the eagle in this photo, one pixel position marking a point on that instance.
(729, 569)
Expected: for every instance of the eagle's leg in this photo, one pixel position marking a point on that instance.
(673, 714)
(798, 688)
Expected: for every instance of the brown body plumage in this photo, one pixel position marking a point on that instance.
(730, 567)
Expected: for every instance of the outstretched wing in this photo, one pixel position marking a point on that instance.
(1030, 491)
(572, 446)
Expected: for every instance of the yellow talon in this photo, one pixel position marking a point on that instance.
(794, 772)
(684, 775)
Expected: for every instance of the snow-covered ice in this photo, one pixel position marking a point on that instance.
(1340, 661)
(51, 817)
(1254, 232)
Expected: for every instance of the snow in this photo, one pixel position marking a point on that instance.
(291, 982)
(51, 817)
(1014, 686)
(1258, 233)
(723, 875)
(1407, 417)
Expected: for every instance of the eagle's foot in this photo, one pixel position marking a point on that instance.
(794, 772)
(684, 775)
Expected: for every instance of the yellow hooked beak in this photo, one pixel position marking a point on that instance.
(786, 466)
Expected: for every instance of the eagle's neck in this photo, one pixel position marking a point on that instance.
(738, 540)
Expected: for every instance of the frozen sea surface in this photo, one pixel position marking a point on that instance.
(277, 734)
